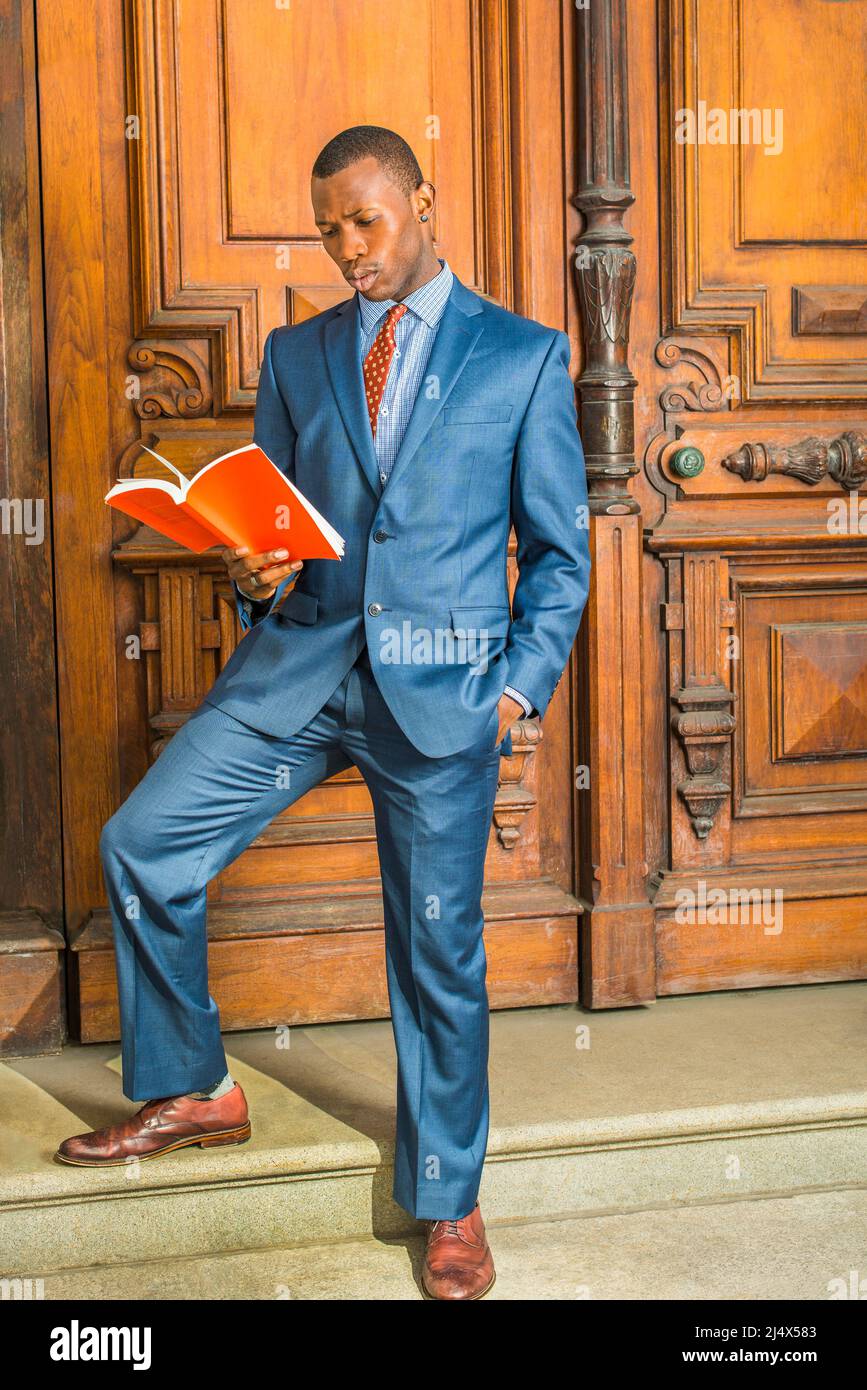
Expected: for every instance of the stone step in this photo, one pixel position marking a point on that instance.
(694, 1100)
(810, 1246)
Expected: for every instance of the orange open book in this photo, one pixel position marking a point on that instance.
(241, 498)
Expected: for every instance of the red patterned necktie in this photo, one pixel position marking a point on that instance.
(377, 363)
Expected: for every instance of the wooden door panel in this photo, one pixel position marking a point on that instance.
(803, 693)
(272, 79)
(755, 235)
(820, 128)
(751, 359)
(232, 116)
(806, 944)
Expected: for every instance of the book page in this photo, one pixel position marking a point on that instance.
(245, 496)
(154, 504)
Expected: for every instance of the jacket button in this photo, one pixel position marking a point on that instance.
(375, 609)
(380, 536)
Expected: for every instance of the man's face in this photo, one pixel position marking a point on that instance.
(370, 230)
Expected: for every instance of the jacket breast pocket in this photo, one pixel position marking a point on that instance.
(476, 414)
(298, 607)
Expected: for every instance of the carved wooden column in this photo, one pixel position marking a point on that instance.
(617, 944)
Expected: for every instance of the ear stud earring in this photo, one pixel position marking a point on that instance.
(423, 217)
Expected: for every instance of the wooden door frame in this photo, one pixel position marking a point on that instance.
(617, 930)
(31, 886)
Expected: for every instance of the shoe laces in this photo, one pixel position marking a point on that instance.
(450, 1225)
(445, 1226)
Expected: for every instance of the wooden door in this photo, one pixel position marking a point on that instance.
(749, 570)
(177, 141)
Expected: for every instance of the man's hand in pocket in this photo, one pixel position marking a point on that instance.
(508, 711)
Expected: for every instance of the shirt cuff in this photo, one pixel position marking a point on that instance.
(521, 699)
(253, 608)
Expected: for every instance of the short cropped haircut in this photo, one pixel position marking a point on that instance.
(359, 142)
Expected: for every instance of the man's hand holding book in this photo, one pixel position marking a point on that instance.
(257, 576)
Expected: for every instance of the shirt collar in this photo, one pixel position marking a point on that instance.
(428, 302)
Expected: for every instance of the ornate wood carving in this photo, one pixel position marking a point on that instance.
(844, 459)
(514, 799)
(703, 722)
(188, 631)
(685, 395)
(165, 363)
(605, 266)
(703, 731)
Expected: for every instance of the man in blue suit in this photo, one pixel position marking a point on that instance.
(422, 421)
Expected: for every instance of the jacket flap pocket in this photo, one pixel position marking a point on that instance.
(476, 414)
(493, 619)
(300, 607)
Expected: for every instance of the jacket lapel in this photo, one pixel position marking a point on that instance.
(459, 329)
(347, 383)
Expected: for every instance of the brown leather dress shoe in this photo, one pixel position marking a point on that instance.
(458, 1262)
(172, 1122)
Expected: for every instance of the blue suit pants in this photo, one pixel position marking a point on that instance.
(212, 790)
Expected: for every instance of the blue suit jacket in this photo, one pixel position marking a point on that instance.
(492, 441)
